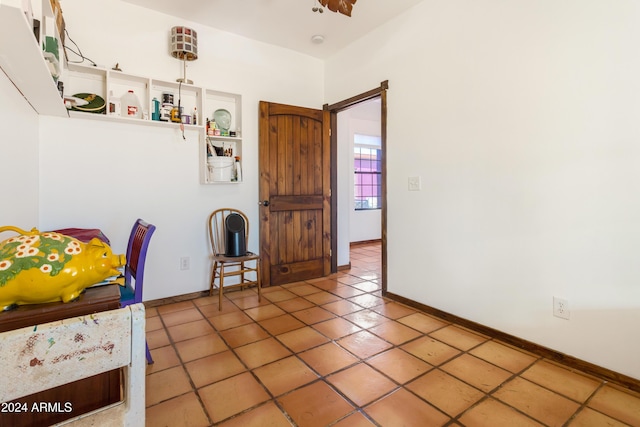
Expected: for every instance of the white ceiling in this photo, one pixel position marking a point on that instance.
(286, 23)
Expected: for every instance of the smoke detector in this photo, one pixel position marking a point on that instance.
(317, 39)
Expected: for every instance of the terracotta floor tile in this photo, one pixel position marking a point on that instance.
(182, 316)
(264, 312)
(402, 408)
(349, 280)
(250, 301)
(476, 372)
(367, 300)
(346, 291)
(190, 330)
(208, 300)
(394, 332)
(242, 335)
(198, 347)
(315, 405)
(364, 344)
(422, 322)
(394, 310)
(285, 375)
(458, 337)
(430, 350)
(262, 352)
(356, 419)
(361, 384)
(590, 418)
(445, 392)
(328, 358)
(156, 339)
(573, 385)
(170, 308)
(281, 324)
(503, 356)
(237, 293)
(150, 312)
(302, 339)
(163, 358)
(280, 295)
(539, 403)
(322, 297)
(232, 396)
(366, 285)
(313, 315)
(324, 284)
(211, 310)
(621, 405)
(265, 415)
(210, 369)
(336, 328)
(491, 413)
(184, 411)
(166, 384)
(399, 365)
(366, 318)
(303, 288)
(371, 275)
(153, 324)
(342, 307)
(230, 320)
(295, 304)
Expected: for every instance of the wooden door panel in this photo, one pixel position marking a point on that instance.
(291, 203)
(288, 273)
(295, 237)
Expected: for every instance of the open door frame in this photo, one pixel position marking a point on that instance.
(334, 109)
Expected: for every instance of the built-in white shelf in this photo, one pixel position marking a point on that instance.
(22, 60)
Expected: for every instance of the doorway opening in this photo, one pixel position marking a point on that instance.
(358, 175)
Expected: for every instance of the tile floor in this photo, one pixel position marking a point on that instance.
(333, 352)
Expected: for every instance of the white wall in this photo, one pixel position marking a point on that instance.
(522, 120)
(96, 174)
(18, 159)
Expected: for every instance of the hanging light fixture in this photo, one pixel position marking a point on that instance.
(184, 46)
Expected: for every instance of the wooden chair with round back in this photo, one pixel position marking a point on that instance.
(228, 234)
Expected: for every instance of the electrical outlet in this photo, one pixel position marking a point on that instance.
(184, 263)
(415, 183)
(561, 308)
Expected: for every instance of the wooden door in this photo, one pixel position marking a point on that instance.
(295, 193)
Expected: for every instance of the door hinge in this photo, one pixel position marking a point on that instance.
(329, 131)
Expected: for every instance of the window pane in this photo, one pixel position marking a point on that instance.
(368, 169)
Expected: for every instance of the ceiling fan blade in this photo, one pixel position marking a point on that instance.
(342, 6)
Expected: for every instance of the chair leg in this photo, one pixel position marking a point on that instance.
(220, 285)
(149, 358)
(242, 276)
(214, 266)
(259, 280)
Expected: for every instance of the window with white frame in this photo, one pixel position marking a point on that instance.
(367, 166)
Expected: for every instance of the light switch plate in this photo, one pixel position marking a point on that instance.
(415, 183)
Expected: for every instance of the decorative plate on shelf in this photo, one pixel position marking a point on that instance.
(95, 103)
(222, 118)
